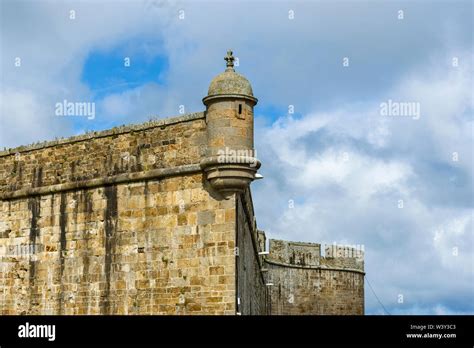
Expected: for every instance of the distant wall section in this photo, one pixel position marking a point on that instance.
(304, 282)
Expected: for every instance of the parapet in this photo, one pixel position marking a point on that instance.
(105, 133)
(294, 253)
(308, 255)
(122, 154)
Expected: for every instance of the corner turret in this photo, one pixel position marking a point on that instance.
(230, 163)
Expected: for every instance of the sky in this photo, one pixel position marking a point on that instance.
(337, 168)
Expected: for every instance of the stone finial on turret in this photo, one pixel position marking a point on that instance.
(229, 58)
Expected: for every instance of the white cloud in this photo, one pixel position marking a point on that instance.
(449, 241)
(19, 108)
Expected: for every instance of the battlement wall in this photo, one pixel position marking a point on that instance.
(150, 146)
(304, 282)
(293, 254)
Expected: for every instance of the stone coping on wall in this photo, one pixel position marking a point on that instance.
(109, 132)
(321, 267)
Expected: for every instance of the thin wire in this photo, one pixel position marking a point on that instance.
(370, 286)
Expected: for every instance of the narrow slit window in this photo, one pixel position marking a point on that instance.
(240, 109)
